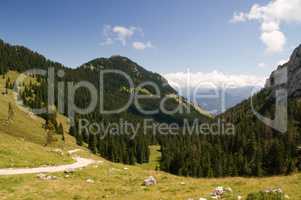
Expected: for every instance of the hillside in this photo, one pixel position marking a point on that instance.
(253, 148)
(21, 147)
(117, 92)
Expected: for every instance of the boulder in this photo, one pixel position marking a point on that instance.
(150, 181)
(90, 181)
(220, 191)
(69, 171)
(46, 177)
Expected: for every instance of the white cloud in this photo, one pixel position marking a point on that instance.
(141, 45)
(212, 79)
(269, 26)
(123, 33)
(261, 65)
(119, 33)
(274, 41)
(238, 17)
(271, 16)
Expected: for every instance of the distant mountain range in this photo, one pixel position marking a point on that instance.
(216, 101)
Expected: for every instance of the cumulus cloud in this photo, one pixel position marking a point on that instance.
(274, 41)
(271, 16)
(119, 33)
(141, 45)
(212, 79)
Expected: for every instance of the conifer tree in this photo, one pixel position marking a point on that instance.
(61, 131)
(11, 112)
(92, 143)
(49, 129)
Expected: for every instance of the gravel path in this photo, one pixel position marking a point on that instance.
(80, 162)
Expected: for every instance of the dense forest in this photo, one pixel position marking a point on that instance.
(254, 150)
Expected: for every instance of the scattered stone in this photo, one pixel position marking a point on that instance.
(220, 191)
(150, 181)
(239, 197)
(275, 190)
(228, 189)
(46, 177)
(41, 176)
(90, 181)
(125, 168)
(182, 183)
(202, 198)
(58, 151)
(69, 171)
(51, 178)
(73, 151)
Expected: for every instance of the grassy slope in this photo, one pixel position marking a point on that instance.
(21, 141)
(21, 145)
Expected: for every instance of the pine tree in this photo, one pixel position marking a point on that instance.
(11, 112)
(6, 87)
(79, 138)
(49, 129)
(61, 131)
(92, 143)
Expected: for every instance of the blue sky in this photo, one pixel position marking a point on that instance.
(178, 34)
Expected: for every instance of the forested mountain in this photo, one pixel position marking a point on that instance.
(255, 149)
(116, 147)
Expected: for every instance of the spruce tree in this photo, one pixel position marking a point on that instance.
(61, 131)
(92, 143)
(11, 112)
(49, 129)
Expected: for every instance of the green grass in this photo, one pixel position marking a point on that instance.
(113, 181)
(16, 152)
(21, 145)
(154, 160)
(22, 140)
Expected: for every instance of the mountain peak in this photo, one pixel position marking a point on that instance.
(293, 67)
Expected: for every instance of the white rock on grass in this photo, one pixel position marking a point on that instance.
(69, 171)
(90, 181)
(46, 177)
(218, 192)
(150, 181)
(58, 151)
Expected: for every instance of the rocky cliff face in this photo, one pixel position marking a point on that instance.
(288, 75)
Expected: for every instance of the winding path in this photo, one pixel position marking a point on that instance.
(80, 162)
